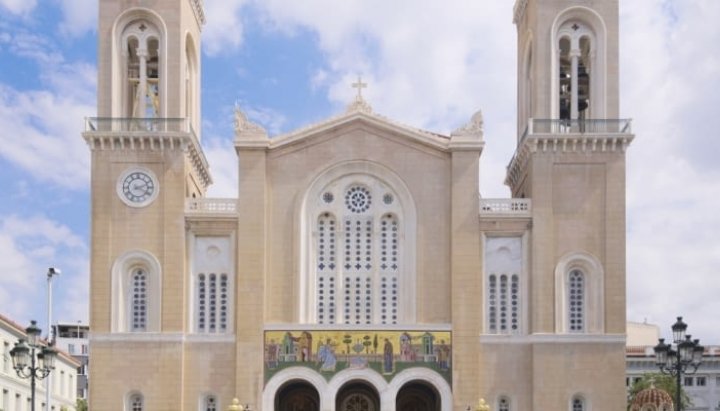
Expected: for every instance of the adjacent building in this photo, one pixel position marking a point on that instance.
(73, 339)
(16, 394)
(358, 268)
(703, 386)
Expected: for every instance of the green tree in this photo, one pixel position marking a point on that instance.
(662, 381)
(81, 404)
(347, 339)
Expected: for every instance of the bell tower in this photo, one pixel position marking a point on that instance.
(147, 163)
(570, 162)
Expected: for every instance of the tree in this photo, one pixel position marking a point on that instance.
(662, 381)
(81, 404)
(347, 339)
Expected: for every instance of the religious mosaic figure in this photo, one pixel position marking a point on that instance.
(326, 357)
(272, 354)
(405, 347)
(305, 343)
(387, 357)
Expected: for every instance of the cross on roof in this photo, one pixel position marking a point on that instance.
(359, 85)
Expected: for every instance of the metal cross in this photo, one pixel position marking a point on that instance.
(359, 85)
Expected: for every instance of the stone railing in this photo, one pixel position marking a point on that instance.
(579, 126)
(211, 206)
(516, 207)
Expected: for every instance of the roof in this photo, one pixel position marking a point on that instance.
(19, 330)
(249, 135)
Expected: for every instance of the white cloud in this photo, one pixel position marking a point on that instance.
(19, 7)
(41, 126)
(28, 246)
(669, 86)
(79, 17)
(224, 31)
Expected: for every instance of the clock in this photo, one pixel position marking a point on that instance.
(137, 187)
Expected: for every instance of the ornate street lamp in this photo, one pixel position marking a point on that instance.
(32, 359)
(684, 359)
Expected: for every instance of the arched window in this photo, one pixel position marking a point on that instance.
(576, 300)
(138, 300)
(136, 293)
(192, 79)
(503, 404)
(503, 270)
(140, 45)
(209, 403)
(578, 404)
(360, 247)
(579, 66)
(136, 403)
(579, 290)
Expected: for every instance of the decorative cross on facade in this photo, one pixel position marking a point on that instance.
(575, 27)
(359, 85)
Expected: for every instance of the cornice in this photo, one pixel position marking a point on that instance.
(563, 143)
(198, 11)
(153, 141)
(519, 10)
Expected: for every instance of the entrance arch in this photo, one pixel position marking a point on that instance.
(297, 395)
(357, 396)
(417, 396)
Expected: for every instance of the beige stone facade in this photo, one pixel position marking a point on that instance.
(358, 224)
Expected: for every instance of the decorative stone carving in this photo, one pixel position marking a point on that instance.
(474, 128)
(247, 130)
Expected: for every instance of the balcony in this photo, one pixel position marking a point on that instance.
(568, 136)
(505, 207)
(135, 124)
(147, 134)
(586, 126)
(222, 207)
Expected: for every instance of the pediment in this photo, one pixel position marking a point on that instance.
(252, 136)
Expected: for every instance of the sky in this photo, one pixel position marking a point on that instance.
(428, 64)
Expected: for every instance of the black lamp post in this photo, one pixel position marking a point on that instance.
(24, 361)
(684, 359)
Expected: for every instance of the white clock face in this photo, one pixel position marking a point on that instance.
(137, 187)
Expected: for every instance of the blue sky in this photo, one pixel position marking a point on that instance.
(429, 64)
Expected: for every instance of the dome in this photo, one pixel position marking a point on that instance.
(652, 399)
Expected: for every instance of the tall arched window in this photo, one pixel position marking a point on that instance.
(576, 300)
(140, 45)
(209, 403)
(578, 404)
(580, 294)
(579, 65)
(360, 248)
(136, 293)
(138, 300)
(503, 404)
(136, 403)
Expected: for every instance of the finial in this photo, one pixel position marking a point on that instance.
(482, 405)
(235, 405)
(359, 104)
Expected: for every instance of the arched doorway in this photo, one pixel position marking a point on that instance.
(297, 395)
(417, 396)
(357, 396)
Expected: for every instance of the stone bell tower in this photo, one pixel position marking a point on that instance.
(570, 160)
(146, 161)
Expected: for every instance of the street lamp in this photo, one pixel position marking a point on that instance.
(684, 359)
(24, 358)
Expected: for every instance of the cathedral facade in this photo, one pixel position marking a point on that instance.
(359, 268)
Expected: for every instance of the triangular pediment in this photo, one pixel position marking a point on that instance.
(253, 137)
